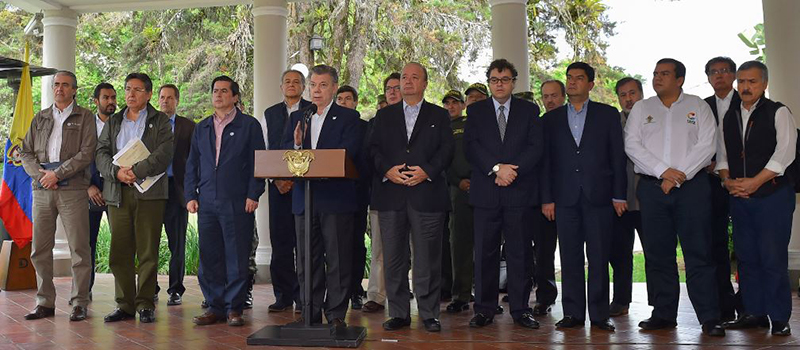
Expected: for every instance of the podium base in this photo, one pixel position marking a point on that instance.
(315, 335)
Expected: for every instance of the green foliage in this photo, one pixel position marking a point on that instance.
(756, 42)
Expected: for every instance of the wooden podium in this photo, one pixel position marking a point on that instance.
(310, 165)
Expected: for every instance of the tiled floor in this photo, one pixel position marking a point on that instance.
(174, 329)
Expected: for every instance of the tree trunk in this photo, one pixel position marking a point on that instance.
(361, 37)
(340, 11)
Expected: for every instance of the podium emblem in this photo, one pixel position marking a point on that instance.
(298, 161)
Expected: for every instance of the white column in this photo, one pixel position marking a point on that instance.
(781, 31)
(510, 37)
(269, 61)
(58, 49)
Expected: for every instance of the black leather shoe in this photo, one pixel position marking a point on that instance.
(174, 299)
(248, 300)
(527, 321)
(147, 316)
(117, 315)
(499, 310)
(78, 314)
(338, 323)
(480, 320)
(457, 306)
(615, 310)
(40, 312)
(541, 309)
(504, 298)
(204, 304)
(570, 322)
(781, 329)
(747, 322)
(356, 302)
(432, 325)
(155, 298)
(604, 325)
(396, 323)
(713, 329)
(279, 306)
(654, 323)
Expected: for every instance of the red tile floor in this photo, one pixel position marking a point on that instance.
(173, 328)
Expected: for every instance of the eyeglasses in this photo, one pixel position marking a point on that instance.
(138, 90)
(392, 88)
(504, 80)
(719, 71)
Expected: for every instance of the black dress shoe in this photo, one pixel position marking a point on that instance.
(248, 300)
(615, 310)
(372, 307)
(174, 299)
(504, 298)
(541, 309)
(570, 322)
(713, 329)
(747, 322)
(117, 315)
(338, 323)
(480, 320)
(457, 306)
(279, 306)
(396, 323)
(204, 304)
(527, 321)
(499, 310)
(432, 325)
(40, 312)
(78, 314)
(604, 325)
(147, 316)
(654, 323)
(781, 328)
(356, 302)
(155, 298)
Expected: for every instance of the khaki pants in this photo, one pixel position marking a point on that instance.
(73, 208)
(135, 233)
(376, 288)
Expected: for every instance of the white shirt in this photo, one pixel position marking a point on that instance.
(316, 124)
(497, 105)
(54, 142)
(263, 121)
(682, 137)
(723, 104)
(99, 124)
(785, 134)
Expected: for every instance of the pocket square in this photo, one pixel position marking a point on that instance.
(334, 118)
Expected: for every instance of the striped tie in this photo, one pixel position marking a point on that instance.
(501, 123)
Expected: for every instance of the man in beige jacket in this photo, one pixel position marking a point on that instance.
(56, 153)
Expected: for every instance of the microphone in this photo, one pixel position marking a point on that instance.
(308, 111)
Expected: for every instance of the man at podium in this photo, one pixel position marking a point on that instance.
(326, 125)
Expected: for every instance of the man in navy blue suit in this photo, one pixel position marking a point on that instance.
(503, 143)
(281, 220)
(335, 201)
(220, 187)
(584, 184)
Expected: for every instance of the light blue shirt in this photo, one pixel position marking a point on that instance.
(411, 113)
(130, 129)
(171, 122)
(577, 120)
(497, 105)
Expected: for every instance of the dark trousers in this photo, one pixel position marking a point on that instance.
(331, 239)
(762, 228)
(491, 225)
(425, 231)
(720, 217)
(544, 250)
(359, 250)
(283, 238)
(621, 257)
(462, 240)
(176, 219)
(685, 214)
(591, 225)
(447, 266)
(225, 234)
(95, 217)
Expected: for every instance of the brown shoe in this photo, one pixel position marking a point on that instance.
(372, 307)
(78, 314)
(40, 312)
(235, 319)
(206, 318)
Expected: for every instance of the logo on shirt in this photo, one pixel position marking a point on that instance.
(649, 119)
(691, 118)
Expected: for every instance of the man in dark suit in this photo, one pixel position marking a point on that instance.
(334, 201)
(411, 146)
(584, 184)
(503, 143)
(721, 72)
(281, 220)
(175, 215)
(221, 188)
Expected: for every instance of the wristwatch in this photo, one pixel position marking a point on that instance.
(496, 168)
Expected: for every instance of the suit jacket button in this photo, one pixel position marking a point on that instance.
(408, 150)
(577, 170)
(578, 152)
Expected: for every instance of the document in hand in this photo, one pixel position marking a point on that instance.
(135, 151)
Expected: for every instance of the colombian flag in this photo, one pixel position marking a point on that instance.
(16, 200)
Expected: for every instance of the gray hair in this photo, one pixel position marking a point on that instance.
(302, 78)
(756, 64)
(69, 74)
(321, 69)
